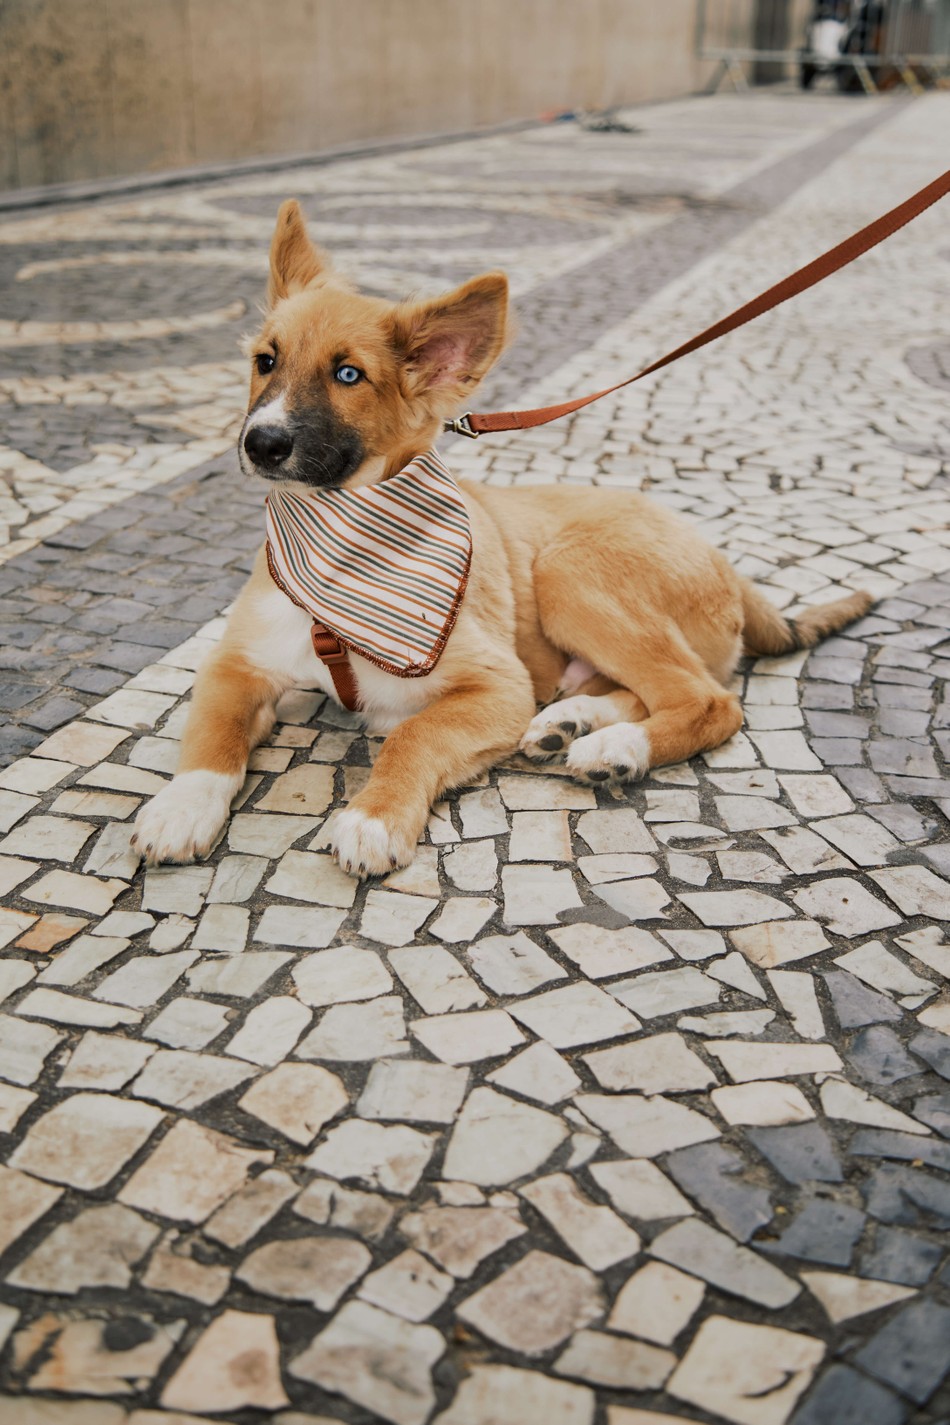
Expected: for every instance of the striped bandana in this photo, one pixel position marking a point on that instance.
(384, 567)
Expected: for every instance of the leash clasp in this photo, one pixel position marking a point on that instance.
(461, 426)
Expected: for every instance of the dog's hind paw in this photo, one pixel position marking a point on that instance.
(366, 846)
(551, 732)
(616, 754)
(182, 822)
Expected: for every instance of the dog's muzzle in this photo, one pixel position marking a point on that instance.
(268, 446)
(309, 445)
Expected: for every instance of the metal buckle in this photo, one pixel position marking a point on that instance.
(461, 426)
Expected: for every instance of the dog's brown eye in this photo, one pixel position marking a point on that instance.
(265, 362)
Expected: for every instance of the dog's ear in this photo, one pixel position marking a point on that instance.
(447, 345)
(294, 261)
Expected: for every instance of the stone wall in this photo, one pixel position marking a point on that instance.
(93, 89)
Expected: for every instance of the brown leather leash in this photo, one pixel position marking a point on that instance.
(474, 424)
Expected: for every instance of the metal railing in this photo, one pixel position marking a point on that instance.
(887, 43)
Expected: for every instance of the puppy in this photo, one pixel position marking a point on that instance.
(591, 593)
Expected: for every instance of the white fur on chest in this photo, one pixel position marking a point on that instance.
(286, 651)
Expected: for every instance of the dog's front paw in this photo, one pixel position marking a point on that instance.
(616, 754)
(183, 820)
(369, 845)
(551, 732)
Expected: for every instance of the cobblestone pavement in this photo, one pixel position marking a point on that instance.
(613, 1109)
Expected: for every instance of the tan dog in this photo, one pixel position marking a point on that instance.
(563, 581)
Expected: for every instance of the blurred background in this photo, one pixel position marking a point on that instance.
(103, 89)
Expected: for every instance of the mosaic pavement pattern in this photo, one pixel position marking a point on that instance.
(613, 1108)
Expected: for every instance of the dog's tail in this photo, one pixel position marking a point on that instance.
(767, 631)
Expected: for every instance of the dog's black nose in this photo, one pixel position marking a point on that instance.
(268, 446)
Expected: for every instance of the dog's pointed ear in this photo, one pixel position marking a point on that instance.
(447, 345)
(294, 261)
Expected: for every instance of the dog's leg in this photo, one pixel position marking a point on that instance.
(701, 716)
(232, 710)
(445, 745)
(687, 712)
(552, 730)
(686, 709)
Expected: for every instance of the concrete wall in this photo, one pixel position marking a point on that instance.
(102, 88)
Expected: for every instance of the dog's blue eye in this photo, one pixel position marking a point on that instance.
(349, 375)
(265, 363)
